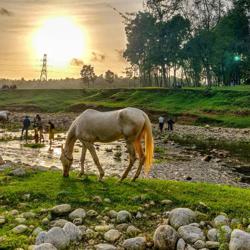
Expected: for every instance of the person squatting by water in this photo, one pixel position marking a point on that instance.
(26, 125)
(161, 123)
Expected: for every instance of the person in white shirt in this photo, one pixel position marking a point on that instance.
(161, 123)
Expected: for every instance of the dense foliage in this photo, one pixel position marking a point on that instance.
(180, 42)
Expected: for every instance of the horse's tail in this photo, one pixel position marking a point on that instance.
(149, 144)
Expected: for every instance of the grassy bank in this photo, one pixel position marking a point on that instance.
(47, 189)
(223, 107)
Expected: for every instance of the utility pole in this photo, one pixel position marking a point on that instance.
(43, 76)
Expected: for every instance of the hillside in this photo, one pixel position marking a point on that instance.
(223, 107)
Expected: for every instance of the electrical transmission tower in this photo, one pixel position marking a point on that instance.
(43, 76)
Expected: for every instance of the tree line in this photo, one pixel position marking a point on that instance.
(174, 43)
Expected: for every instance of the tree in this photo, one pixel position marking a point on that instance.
(87, 74)
(109, 76)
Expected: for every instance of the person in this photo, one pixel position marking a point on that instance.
(161, 123)
(51, 133)
(26, 125)
(38, 125)
(170, 124)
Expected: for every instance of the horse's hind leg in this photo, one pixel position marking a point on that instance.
(92, 151)
(83, 155)
(141, 154)
(132, 159)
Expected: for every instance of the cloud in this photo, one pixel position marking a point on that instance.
(97, 57)
(76, 62)
(5, 12)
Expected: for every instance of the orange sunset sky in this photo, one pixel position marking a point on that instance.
(71, 32)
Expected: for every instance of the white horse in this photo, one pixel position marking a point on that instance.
(4, 115)
(92, 126)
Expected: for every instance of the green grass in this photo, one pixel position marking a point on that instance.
(219, 106)
(50, 188)
(34, 145)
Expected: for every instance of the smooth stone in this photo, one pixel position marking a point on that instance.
(19, 229)
(45, 246)
(36, 231)
(112, 235)
(191, 234)
(240, 240)
(29, 215)
(212, 244)
(61, 209)
(212, 234)
(112, 214)
(180, 244)
(181, 216)
(132, 231)
(199, 244)
(58, 223)
(123, 216)
(221, 220)
(105, 247)
(72, 231)
(165, 238)
(20, 220)
(103, 228)
(78, 213)
(138, 243)
(92, 213)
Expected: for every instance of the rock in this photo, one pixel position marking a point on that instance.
(221, 220)
(90, 234)
(188, 247)
(78, 213)
(122, 227)
(97, 199)
(29, 215)
(191, 234)
(18, 172)
(180, 244)
(92, 213)
(2, 162)
(78, 221)
(103, 228)
(2, 220)
(14, 212)
(123, 216)
(56, 236)
(112, 214)
(212, 244)
(45, 246)
(45, 221)
(107, 200)
(138, 215)
(112, 235)
(240, 240)
(72, 231)
(132, 231)
(61, 209)
(58, 223)
(199, 244)
(36, 231)
(20, 220)
(105, 247)
(212, 234)
(165, 238)
(138, 243)
(166, 202)
(19, 229)
(181, 216)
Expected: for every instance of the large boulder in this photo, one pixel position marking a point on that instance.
(165, 238)
(181, 216)
(240, 240)
(137, 243)
(191, 234)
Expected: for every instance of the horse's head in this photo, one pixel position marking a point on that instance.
(66, 162)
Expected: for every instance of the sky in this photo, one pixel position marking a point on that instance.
(70, 32)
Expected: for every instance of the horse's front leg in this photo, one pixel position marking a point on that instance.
(83, 155)
(92, 151)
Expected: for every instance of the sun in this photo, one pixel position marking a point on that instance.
(61, 39)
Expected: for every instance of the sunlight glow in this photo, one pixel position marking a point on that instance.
(61, 39)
